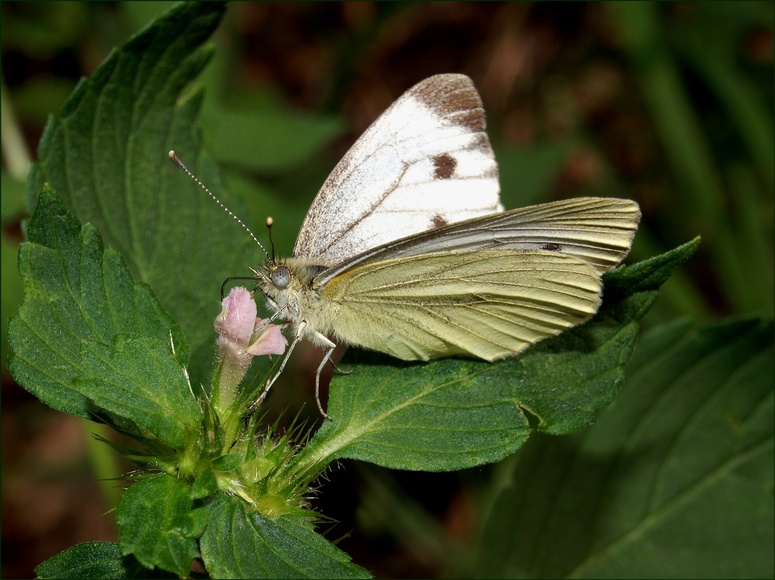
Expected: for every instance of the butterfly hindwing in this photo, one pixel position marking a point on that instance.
(489, 303)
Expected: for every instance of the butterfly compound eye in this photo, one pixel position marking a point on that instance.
(281, 278)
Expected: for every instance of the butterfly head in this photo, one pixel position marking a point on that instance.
(287, 283)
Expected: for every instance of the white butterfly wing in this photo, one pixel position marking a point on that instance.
(424, 163)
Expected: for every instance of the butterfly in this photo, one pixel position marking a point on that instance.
(407, 250)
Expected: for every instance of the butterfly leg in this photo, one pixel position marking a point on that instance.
(339, 371)
(274, 378)
(326, 358)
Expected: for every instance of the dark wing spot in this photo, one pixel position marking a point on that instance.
(438, 221)
(445, 166)
(454, 98)
(551, 247)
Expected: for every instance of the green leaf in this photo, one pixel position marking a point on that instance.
(106, 156)
(90, 560)
(159, 524)
(649, 274)
(139, 379)
(75, 291)
(454, 414)
(205, 485)
(675, 480)
(242, 544)
(270, 139)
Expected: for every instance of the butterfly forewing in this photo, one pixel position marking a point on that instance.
(596, 230)
(426, 162)
(489, 304)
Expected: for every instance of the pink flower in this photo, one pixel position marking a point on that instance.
(241, 336)
(235, 323)
(267, 339)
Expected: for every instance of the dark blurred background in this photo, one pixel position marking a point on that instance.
(669, 104)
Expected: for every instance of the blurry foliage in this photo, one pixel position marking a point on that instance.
(667, 104)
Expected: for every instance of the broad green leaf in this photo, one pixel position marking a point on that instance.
(242, 544)
(270, 140)
(91, 560)
(675, 480)
(139, 379)
(106, 156)
(75, 290)
(205, 485)
(159, 524)
(454, 414)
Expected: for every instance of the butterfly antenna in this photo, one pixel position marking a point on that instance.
(269, 224)
(179, 163)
